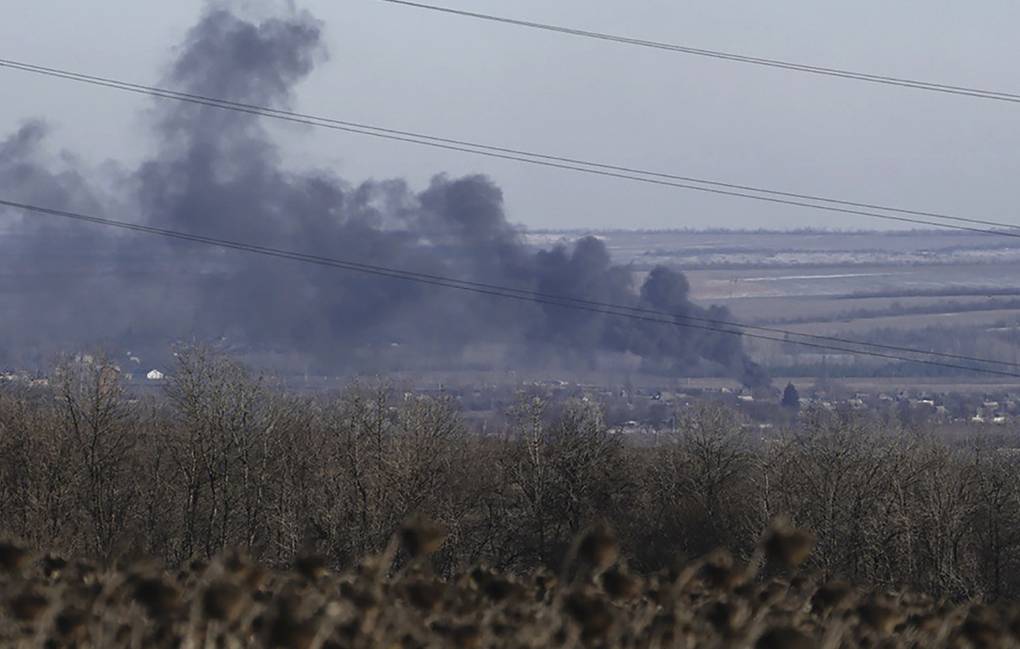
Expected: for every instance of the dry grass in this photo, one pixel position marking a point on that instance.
(594, 602)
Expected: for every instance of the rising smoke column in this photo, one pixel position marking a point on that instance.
(218, 173)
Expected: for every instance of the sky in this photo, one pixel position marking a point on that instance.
(449, 76)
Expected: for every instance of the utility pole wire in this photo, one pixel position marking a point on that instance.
(729, 56)
(734, 190)
(634, 313)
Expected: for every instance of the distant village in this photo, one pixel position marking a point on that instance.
(630, 409)
(130, 372)
(644, 409)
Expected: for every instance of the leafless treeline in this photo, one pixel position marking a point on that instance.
(226, 460)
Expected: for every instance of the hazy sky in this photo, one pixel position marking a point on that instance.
(409, 69)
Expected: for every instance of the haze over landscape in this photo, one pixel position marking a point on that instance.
(381, 323)
(197, 166)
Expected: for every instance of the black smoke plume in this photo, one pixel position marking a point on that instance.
(217, 173)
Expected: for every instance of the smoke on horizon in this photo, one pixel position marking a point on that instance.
(217, 173)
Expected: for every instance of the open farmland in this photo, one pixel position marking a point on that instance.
(953, 291)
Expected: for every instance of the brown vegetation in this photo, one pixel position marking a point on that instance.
(226, 461)
(232, 601)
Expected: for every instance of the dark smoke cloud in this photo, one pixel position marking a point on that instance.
(219, 174)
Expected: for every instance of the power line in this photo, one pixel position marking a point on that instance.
(312, 120)
(735, 190)
(579, 301)
(634, 313)
(729, 56)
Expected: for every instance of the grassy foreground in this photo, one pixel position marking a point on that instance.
(395, 601)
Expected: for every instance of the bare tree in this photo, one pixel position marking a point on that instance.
(224, 453)
(99, 429)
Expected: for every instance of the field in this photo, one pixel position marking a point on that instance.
(949, 291)
(945, 291)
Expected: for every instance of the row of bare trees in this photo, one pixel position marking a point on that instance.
(224, 459)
